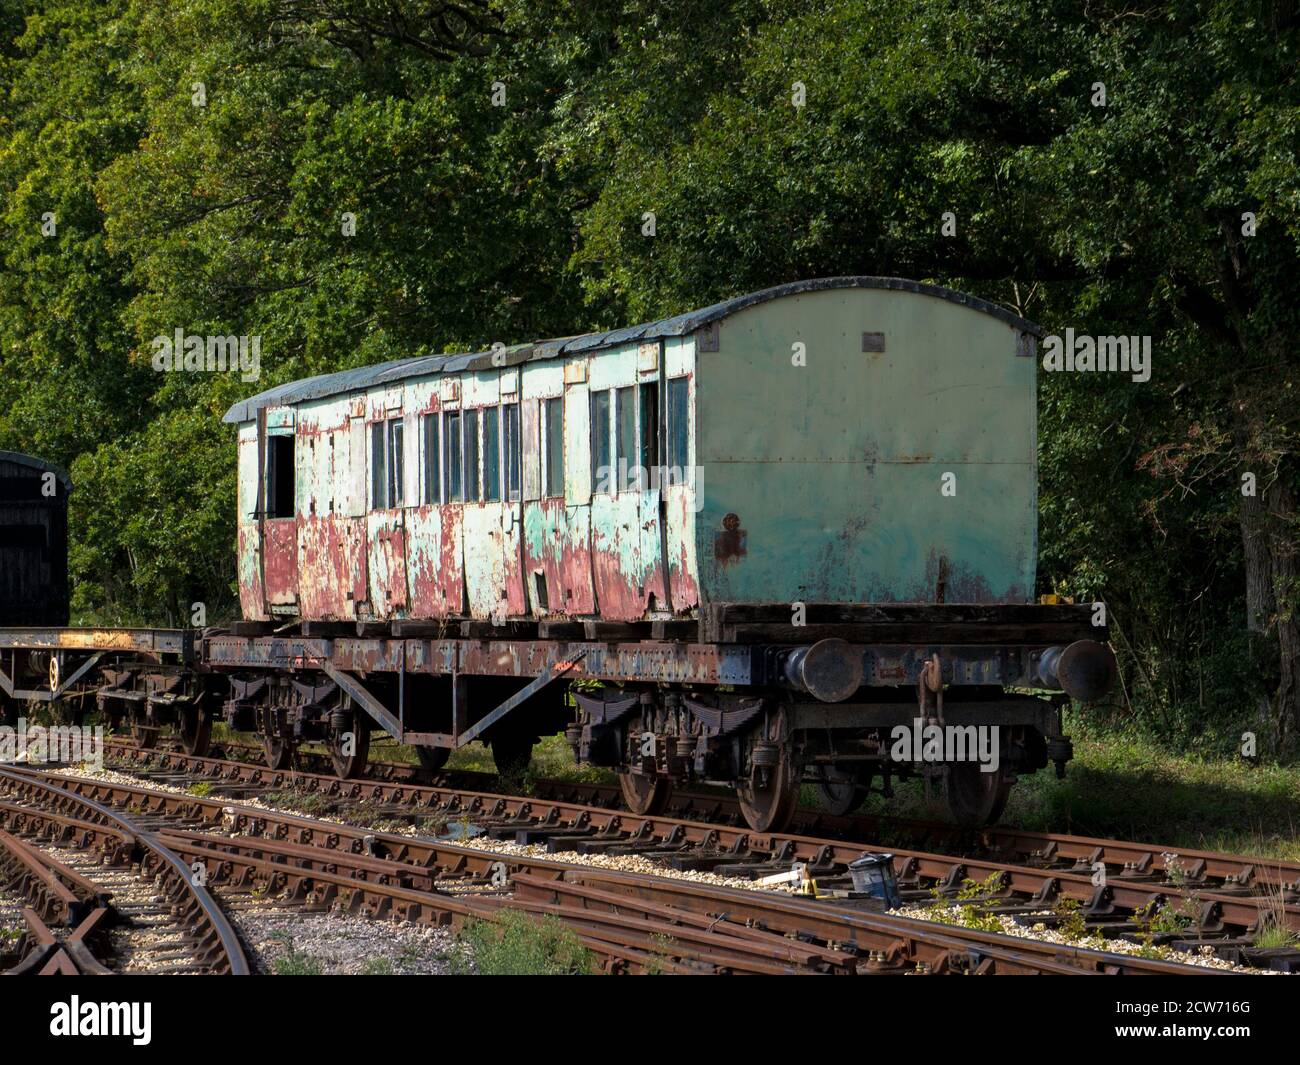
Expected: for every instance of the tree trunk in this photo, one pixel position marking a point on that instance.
(1268, 529)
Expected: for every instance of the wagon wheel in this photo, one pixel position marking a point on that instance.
(512, 752)
(643, 793)
(351, 765)
(769, 805)
(841, 790)
(976, 798)
(195, 728)
(277, 751)
(432, 759)
(145, 736)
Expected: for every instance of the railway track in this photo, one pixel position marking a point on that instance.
(105, 895)
(1190, 900)
(1130, 861)
(632, 922)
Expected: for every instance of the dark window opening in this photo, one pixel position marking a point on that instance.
(279, 477)
(649, 428)
(625, 428)
(678, 429)
(512, 450)
(602, 479)
(378, 467)
(554, 481)
(396, 463)
(492, 455)
(432, 470)
(471, 455)
(455, 457)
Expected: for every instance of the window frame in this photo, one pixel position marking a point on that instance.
(549, 405)
(491, 453)
(379, 464)
(512, 457)
(606, 485)
(431, 427)
(671, 457)
(453, 456)
(472, 453)
(395, 440)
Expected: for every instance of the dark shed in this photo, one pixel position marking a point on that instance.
(33, 541)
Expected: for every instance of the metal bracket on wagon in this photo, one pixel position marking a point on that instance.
(556, 671)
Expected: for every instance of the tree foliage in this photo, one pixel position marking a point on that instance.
(771, 142)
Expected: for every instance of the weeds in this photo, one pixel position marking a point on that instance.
(1071, 924)
(962, 910)
(1271, 931)
(514, 944)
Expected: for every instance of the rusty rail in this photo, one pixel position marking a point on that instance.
(211, 937)
(322, 864)
(568, 825)
(1044, 850)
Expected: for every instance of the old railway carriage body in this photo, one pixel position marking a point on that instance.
(769, 535)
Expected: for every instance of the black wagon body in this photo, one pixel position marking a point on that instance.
(33, 541)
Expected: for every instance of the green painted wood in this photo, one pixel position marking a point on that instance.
(834, 470)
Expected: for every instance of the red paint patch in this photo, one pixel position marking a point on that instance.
(280, 560)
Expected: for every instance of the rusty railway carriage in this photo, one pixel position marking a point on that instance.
(740, 545)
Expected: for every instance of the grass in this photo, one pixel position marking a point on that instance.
(1273, 931)
(297, 963)
(303, 802)
(1125, 786)
(515, 944)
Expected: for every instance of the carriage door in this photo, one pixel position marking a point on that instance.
(649, 450)
(677, 482)
(512, 507)
(625, 495)
(385, 522)
(278, 512)
(353, 496)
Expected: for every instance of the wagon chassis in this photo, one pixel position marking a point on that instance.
(753, 702)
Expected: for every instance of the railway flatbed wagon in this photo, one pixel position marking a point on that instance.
(790, 538)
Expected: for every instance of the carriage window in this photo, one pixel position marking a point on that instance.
(553, 484)
(492, 455)
(625, 428)
(455, 454)
(396, 463)
(386, 464)
(471, 455)
(432, 470)
(279, 477)
(378, 467)
(601, 478)
(649, 428)
(678, 428)
(512, 449)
